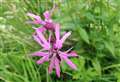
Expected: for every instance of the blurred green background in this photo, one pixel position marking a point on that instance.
(95, 26)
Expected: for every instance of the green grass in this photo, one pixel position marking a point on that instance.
(95, 37)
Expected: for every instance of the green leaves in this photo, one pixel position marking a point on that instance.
(83, 34)
(110, 47)
(97, 66)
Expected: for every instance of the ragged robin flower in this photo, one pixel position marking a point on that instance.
(47, 23)
(51, 49)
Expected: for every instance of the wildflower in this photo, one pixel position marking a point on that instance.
(51, 51)
(47, 23)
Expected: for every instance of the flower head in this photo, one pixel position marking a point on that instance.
(47, 22)
(51, 51)
(51, 45)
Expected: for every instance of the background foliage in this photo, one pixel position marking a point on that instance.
(95, 26)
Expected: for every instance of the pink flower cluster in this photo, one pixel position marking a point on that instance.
(51, 45)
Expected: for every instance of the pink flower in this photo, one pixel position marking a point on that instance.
(51, 51)
(47, 22)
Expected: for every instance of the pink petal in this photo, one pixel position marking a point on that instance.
(39, 53)
(72, 54)
(41, 29)
(69, 62)
(51, 66)
(49, 40)
(58, 43)
(49, 26)
(42, 38)
(36, 22)
(66, 35)
(57, 67)
(37, 19)
(57, 31)
(42, 60)
(47, 15)
(41, 22)
(48, 20)
(34, 16)
(36, 38)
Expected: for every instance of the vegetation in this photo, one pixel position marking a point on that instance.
(95, 26)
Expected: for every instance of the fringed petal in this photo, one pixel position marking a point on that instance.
(39, 53)
(66, 35)
(57, 67)
(69, 62)
(42, 60)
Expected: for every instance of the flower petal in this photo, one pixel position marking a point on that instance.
(47, 15)
(51, 66)
(37, 19)
(34, 16)
(66, 35)
(41, 29)
(42, 38)
(38, 22)
(50, 37)
(72, 54)
(42, 60)
(57, 31)
(36, 38)
(39, 53)
(57, 67)
(58, 43)
(69, 62)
